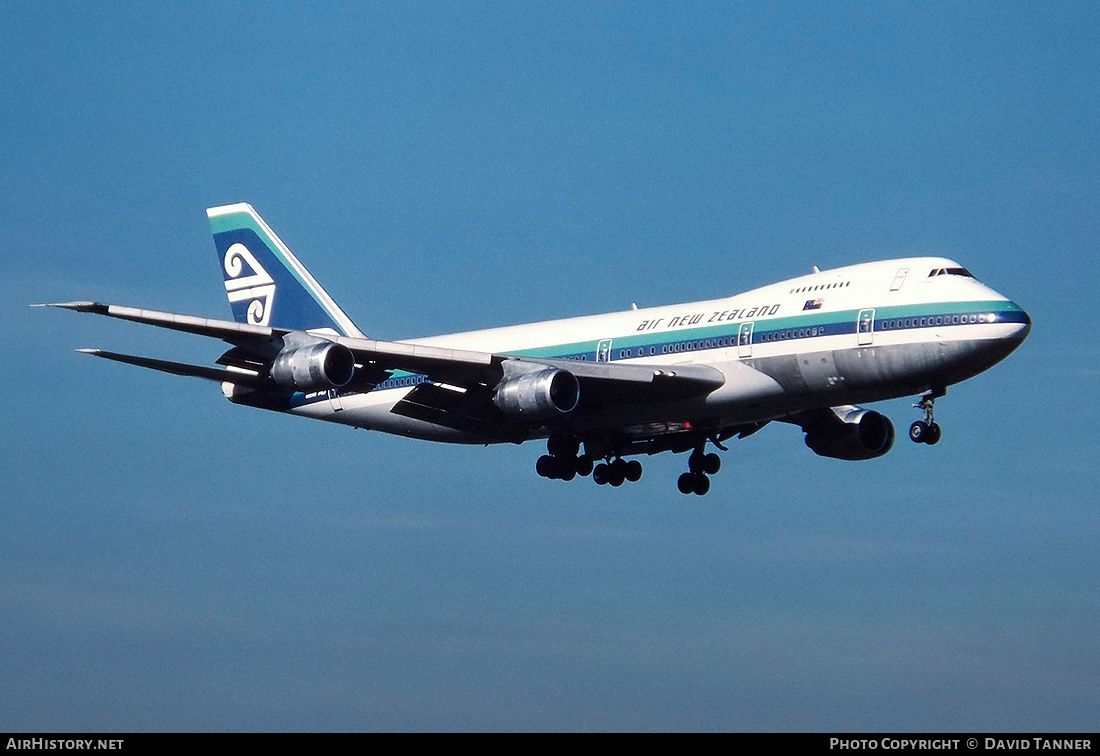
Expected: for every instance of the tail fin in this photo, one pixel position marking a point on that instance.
(264, 281)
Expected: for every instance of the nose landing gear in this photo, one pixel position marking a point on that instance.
(927, 431)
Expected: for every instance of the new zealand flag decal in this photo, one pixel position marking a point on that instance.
(813, 304)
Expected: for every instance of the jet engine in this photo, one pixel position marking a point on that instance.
(538, 395)
(314, 367)
(851, 433)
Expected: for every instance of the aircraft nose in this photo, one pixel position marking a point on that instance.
(1022, 320)
(1025, 323)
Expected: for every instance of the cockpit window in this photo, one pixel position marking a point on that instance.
(951, 272)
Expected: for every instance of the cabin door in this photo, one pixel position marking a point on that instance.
(744, 340)
(865, 327)
(899, 279)
(335, 403)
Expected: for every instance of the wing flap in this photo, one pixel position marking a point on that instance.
(470, 410)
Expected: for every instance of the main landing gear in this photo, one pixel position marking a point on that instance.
(617, 472)
(926, 431)
(564, 462)
(700, 465)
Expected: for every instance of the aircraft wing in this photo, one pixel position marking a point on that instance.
(603, 382)
(612, 383)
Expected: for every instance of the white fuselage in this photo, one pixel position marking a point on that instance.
(855, 334)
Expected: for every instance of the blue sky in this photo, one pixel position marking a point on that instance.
(172, 562)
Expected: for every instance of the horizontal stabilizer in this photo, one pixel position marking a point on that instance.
(180, 368)
(222, 329)
(96, 307)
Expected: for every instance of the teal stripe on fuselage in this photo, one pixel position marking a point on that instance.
(805, 325)
(842, 321)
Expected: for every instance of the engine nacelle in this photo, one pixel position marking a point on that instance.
(538, 395)
(314, 367)
(852, 433)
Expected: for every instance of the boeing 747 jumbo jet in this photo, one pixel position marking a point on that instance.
(604, 387)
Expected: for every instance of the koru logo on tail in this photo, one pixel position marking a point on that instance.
(251, 284)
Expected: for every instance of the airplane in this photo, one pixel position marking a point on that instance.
(806, 351)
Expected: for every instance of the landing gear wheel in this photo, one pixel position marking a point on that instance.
(700, 485)
(584, 466)
(545, 466)
(926, 431)
(932, 436)
(561, 468)
(918, 432)
(700, 465)
(617, 475)
(686, 483)
(633, 471)
(601, 474)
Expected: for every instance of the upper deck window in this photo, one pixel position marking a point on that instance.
(951, 272)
